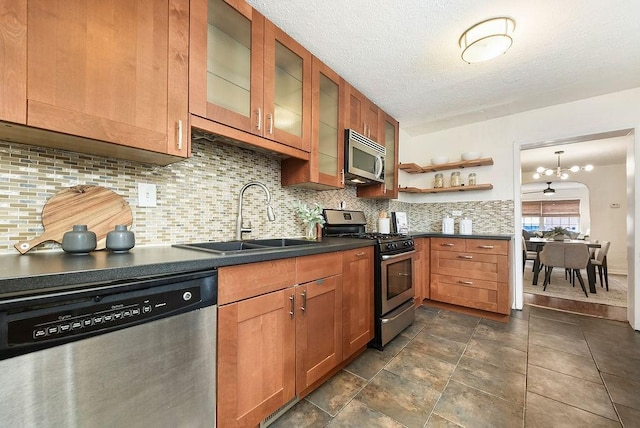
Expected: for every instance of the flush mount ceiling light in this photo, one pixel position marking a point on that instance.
(487, 39)
(562, 173)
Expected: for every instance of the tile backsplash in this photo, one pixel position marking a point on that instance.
(197, 199)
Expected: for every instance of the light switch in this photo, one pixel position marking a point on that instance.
(456, 213)
(146, 195)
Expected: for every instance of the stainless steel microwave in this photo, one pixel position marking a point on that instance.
(364, 159)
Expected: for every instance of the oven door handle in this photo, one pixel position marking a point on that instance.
(395, 256)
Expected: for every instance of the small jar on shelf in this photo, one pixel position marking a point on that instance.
(472, 179)
(438, 181)
(455, 179)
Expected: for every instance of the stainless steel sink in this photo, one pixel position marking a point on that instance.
(232, 247)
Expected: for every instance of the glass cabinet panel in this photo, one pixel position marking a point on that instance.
(288, 90)
(328, 127)
(228, 58)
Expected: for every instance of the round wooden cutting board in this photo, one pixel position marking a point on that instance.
(99, 208)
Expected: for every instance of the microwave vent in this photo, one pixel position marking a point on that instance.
(353, 135)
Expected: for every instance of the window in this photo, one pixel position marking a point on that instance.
(545, 215)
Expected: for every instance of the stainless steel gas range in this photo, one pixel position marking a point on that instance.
(394, 287)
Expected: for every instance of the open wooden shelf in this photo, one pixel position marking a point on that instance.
(413, 168)
(446, 189)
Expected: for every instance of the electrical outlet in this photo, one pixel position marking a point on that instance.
(456, 213)
(146, 195)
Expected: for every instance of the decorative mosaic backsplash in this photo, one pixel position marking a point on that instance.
(197, 199)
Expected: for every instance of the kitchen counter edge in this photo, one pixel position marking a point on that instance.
(502, 237)
(44, 271)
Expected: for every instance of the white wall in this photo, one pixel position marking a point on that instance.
(501, 138)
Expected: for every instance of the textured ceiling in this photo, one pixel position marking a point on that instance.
(405, 57)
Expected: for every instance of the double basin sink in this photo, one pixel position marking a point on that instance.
(232, 247)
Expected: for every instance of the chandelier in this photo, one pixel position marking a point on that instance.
(558, 171)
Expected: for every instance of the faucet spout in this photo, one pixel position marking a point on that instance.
(240, 228)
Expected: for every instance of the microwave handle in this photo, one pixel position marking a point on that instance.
(379, 166)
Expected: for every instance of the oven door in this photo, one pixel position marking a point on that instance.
(397, 280)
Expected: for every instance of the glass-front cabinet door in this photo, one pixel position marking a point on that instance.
(325, 166)
(287, 89)
(248, 74)
(226, 57)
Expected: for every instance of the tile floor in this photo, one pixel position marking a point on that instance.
(543, 368)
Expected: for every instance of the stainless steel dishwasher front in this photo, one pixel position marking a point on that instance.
(137, 353)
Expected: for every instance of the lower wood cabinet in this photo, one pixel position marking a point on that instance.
(471, 272)
(421, 270)
(357, 300)
(283, 342)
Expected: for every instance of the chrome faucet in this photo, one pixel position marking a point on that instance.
(240, 228)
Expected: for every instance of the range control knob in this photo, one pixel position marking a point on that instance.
(186, 296)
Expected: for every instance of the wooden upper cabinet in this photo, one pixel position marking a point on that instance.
(248, 75)
(13, 61)
(325, 167)
(388, 131)
(362, 114)
(113, 71)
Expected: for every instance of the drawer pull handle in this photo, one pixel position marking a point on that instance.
(179, 136)
(447, 245)
(486, 247)
(304, 301)
(360, 254)
(292, 298)
(465, 257)
(465, 282)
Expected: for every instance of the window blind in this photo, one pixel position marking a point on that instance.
(568, 208)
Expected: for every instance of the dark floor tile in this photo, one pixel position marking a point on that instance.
(357, 415)
(488, 352)
(396, 345)
(516, 326)
(413, 365)
(491, 379)
(436, 421)
(542, 412)
(334, 394)
(425, 313)
(303, 415)
(563, 362)
(630, 417)
(452, 326)
(567, 317)
(607, 327)
(589, 396)
(555, 327)
(437, 347)
(414, 329)
(470, 407)
(616, 363)
(368, 364)
(458, 318)
(407, 402)
(522, 314)
(623, 391)
(561, 343)
(500, 337)
(626, 344)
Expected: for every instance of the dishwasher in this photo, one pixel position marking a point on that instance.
(134, 353)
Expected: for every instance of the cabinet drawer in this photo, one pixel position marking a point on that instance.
(487, 246)
(249, 280)
(318, 266)
(464, 295)
(487, 267)
(447, 244)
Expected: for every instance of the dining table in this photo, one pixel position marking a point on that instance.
(539, 245)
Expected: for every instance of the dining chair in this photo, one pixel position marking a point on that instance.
(600, 260)
(526, 254)
(566, 256)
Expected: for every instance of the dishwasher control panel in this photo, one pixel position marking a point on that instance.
(92, 315)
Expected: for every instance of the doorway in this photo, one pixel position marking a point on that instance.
(603, 206)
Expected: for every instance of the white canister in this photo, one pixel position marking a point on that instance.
(384, 225)
(447, 226)
(465, 226)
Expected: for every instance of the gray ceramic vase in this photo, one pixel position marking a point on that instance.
(120, 240)
(79, 240)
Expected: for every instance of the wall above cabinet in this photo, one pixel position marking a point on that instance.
(413, 168)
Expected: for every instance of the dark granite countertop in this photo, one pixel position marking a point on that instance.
(50, 270)
(503, 237)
